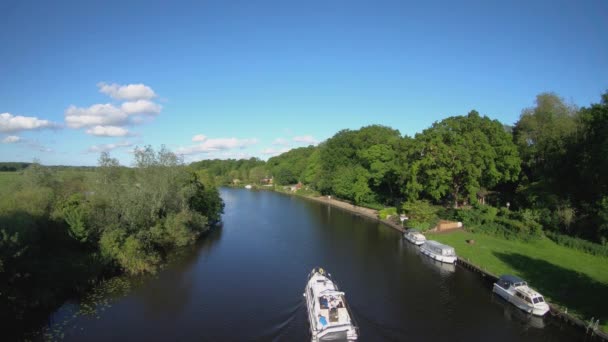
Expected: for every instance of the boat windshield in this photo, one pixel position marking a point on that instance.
(538, 300)
(523, 283)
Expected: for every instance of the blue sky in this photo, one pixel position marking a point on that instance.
(232, 79)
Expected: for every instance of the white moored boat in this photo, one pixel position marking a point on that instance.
(438, 251)
(414, 236)
(328, 314)
(516, 291)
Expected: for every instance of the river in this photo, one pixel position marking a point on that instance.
(244, 282)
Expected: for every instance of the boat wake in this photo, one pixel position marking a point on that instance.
(284, 321)
(385, 331)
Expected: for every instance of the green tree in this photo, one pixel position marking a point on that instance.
(458, 156)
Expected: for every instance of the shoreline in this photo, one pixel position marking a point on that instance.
(555, 311)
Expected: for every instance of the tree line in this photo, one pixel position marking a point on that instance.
(63, 230)
(548, 171)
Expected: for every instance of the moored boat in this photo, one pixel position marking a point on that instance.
(516, 291)
(414, 236)
(328, 313)
(438, 251)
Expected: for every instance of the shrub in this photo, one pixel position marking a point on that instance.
(383, 214)
(579, 244)
(501, 222)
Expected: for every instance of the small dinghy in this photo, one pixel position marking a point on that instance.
(328, 314)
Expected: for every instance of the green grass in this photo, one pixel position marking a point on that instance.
(567, 277)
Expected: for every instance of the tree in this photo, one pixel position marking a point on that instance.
(541, 134)
(351, 183)
(458, 156)
(373, 149)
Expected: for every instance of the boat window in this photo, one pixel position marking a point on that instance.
(528, 300)
(540, 299)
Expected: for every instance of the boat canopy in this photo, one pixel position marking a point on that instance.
(511, 279)
(439, 248)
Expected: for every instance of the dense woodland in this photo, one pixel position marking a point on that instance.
(547, 173)
(62, 230)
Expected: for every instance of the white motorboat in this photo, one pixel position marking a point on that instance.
(438, 251)
(516, 291)
(329, 316)
(414, 236)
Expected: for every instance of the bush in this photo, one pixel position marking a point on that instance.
(383, 214)
(579, 244)
(501, 222)
(421, 214)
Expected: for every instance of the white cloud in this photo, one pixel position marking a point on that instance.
(108, 147)
(108, 131)
(16, 123)
(141, 107)
(213, 145)
(199, 137)
(97, 114)
(11, 139)
(308, 139)
(129, 92)
(109, 119)
(280, 142)
(274, 152)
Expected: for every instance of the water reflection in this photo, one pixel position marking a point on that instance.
(172, 289)
(443, 268)
(514, 314)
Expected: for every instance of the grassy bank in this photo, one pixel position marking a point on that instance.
(567, 277)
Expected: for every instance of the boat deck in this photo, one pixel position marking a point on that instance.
(330, 307)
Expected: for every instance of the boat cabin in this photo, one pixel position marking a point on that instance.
(439, 248)
(530, 296)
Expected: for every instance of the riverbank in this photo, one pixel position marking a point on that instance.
(329, 200)
(575, 282)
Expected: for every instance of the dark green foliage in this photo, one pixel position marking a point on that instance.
(504, 223)
(580, 244)
(225, 171)
(373, 156)
(12, 166)
(289, 167)
(62, 229)
(457, 157)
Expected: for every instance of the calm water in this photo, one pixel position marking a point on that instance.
(244, 282)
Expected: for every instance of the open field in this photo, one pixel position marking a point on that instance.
(567, 277)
